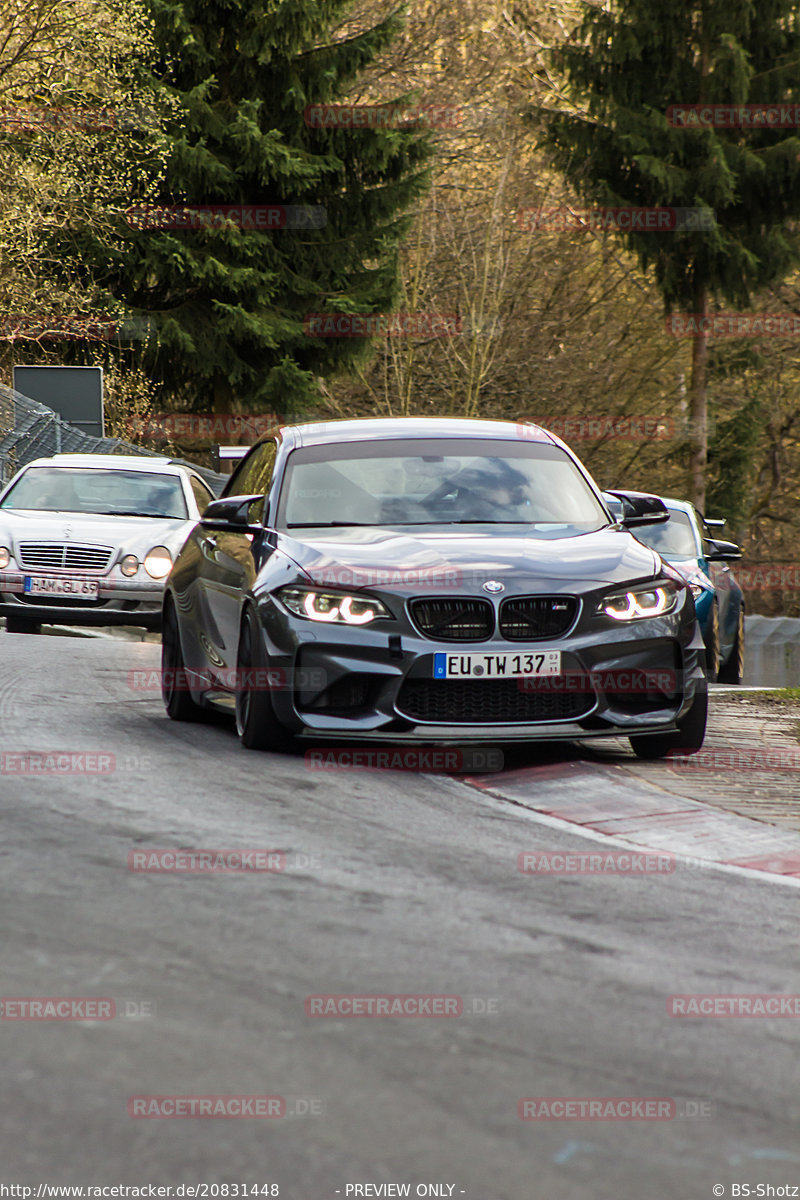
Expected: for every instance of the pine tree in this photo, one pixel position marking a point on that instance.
(627, 65)
(733, 453)
(227, 304)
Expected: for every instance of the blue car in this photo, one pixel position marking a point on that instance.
(685, 541)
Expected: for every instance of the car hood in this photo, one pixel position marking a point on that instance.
(682, 561)
(361, 557)
(134, 534)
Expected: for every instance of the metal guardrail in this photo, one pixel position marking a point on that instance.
(771, 651)
(30, 430)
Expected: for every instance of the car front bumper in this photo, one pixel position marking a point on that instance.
(120, 601)
(335, 683)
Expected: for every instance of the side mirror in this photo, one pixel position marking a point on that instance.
(722, 551)
(232, 514)
(639, 508)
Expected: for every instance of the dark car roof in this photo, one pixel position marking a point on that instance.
(385, 428)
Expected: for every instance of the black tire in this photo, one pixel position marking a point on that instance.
(712, 645)
(687, 740)
(177, 699)
(256, 723)
(733, 670)
(22, 625)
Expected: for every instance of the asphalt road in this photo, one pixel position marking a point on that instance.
(394, 883)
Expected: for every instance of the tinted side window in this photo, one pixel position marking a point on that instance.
(202, 495)
(700, 531)
(253, 477)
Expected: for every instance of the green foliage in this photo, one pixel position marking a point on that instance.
(78, 124)
(732, 460)
(626, 67)
(228, 303)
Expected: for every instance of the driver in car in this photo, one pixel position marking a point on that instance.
(160, 500)
(492, 492)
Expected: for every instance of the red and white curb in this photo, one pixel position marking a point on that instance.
(603, 802)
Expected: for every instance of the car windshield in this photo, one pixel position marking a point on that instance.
(98, 491)
(674, 538)
(430, 481)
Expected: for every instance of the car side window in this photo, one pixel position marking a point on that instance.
(202, 495)
(698, 530)
(253, 477)
(706, 537)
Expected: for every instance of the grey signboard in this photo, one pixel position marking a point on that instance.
(75, 393)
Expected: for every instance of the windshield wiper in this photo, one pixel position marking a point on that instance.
(127, 512)
(392, 522)
(472, 521)
(331, 524)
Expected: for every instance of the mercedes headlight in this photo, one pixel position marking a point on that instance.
(332, 607)
(129, 565)
(653, 601)
(5, 557)
(158, 562)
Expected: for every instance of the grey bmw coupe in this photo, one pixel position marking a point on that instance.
(426, 580)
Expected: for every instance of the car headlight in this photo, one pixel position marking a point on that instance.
(129, 565)
(332, 607)
(158, 562)
(652, 601)
(5, 557)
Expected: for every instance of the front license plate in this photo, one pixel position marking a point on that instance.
(44, 585)
(515, 664)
